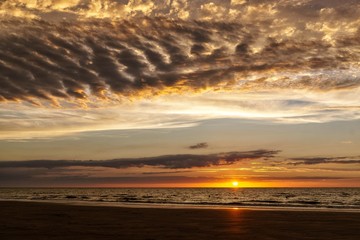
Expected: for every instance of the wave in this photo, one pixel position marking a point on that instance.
(315, 198)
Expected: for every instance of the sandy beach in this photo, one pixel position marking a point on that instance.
(33, 220)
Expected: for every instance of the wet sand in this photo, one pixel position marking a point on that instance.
(33, 220)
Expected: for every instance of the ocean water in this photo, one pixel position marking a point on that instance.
(344, 198)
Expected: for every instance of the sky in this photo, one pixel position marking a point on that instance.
(179, 93)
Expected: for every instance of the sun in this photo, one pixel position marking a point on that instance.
(235, 183)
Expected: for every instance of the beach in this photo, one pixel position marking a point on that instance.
(37, 220)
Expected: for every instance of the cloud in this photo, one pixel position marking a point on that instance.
(324, 160)
(199, 145)
(152, 53)
(297, 178)
(187, 61)
(180, 161)
(168, 172)
(71, 62)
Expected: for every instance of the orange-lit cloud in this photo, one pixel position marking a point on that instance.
(89, 65)
(97, 73)
(149, 51)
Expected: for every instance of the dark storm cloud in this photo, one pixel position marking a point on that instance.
(167, 161)
(144, 54)
(199, 145)
(324, 160)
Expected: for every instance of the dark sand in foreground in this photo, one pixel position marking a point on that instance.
(32, 220)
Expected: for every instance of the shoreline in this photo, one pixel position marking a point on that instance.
(40, 220)
(184, 206)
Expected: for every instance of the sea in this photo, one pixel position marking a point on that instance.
(334, 198)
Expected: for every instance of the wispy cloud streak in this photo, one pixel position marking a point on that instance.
(168, 161)
(199, 145)
(324, 160)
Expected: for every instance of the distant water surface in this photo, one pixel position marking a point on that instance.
(344, 198)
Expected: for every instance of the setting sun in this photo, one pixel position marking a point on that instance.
(235, 184)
